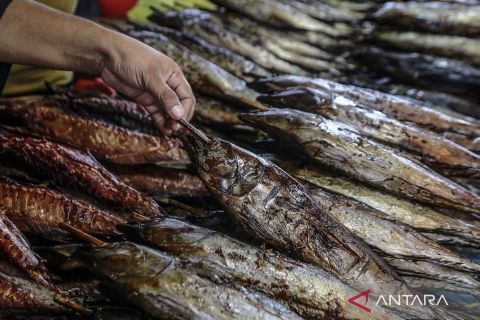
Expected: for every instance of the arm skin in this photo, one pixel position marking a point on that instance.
(34, 34)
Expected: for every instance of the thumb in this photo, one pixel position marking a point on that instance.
(168, 99)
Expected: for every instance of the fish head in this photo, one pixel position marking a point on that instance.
(223, 166)
(169, 234)
(280, 120)
(304, 98)
(276, 83)
(122, 258)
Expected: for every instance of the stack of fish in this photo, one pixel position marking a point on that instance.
(307, 188)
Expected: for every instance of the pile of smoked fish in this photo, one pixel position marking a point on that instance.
(333, 162)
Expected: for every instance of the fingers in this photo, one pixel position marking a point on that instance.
(169, 100)
(184, 93)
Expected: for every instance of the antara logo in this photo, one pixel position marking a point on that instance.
(391, 300)
(353, 300)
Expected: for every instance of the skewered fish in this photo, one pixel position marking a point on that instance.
(279, 15)
(158, 284)
(452, 105)
(41, 210)
(438, 17)
(208, 78)
(105, 141)
(419, 271)
(420, 217)
(456, 47)
(158, 181)
(434, 148)
(71, 168)
(227, 59)
(204, 25)
(123, 113)
(325, 12)
(20, 296)
(311, 292)
(28, 299)
(16, 247)
(401, 108)
(443, 74)
(274, 207)
(390, 237)
(291, 42)
(215, 112)
(341, 147)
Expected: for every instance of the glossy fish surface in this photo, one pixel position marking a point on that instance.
(159, 284)
(277, 209)
(311, 292)
(343, 148)
(398, 107)
(433, 147)
(72, 168)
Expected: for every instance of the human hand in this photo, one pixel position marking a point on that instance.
(150, 78)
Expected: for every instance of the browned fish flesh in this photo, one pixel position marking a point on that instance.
(72, 168)
(124, 113)
(41, 210)
(158, 181)
(16, 247)
(277, 209)
(105, 141)
(339, 146)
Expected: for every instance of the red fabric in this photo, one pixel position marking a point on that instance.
(95, 85)
(116, 8)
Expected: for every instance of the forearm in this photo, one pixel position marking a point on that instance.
(33, 34)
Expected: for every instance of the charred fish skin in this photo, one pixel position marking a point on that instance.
(311, 292)
(343, 148)
(434, 148)
(16, 247)
(157, 181)
(109, 142)
(455, 47)
(73, 168)
(418, 216)
(124, 113)
(401, 108)
(426, 71)
(207, 77)
(214, 112)
(278, 15)
(277, 209)
(390, 237)
(227, 59)
(17, 299)
(438, 17)
(204, 25)
(41, 210)
(157, 283)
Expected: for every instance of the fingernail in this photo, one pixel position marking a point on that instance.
(177, 112)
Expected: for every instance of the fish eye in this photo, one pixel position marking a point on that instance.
(219, 160)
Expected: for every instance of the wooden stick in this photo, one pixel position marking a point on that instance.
(186, 207)
(194, 130)
(70, 303)
(82, 235)
(138, 217)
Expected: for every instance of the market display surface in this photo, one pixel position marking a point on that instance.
(331, 171)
